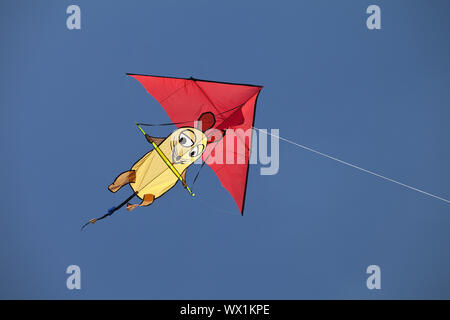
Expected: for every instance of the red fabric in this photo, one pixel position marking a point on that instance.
(233, 106)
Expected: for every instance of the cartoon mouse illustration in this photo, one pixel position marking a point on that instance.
(160, 169)
(150, 176)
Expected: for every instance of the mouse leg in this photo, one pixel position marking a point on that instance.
(148, 200)
(123, 179)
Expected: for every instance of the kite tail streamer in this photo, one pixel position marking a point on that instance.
(110, 211)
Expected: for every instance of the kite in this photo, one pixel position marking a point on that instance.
(210, 116)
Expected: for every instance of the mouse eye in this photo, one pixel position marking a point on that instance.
(184, 140)
(194, 152)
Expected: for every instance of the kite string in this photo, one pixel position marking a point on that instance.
(354, 166)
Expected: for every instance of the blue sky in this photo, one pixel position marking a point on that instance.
(378, 99)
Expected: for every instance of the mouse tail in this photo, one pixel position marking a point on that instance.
(110, 211)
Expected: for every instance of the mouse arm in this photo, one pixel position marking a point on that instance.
(156, 140)
(183, 176)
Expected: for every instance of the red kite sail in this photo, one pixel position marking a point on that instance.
(233, 106)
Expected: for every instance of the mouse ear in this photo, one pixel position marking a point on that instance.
(205, 122)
